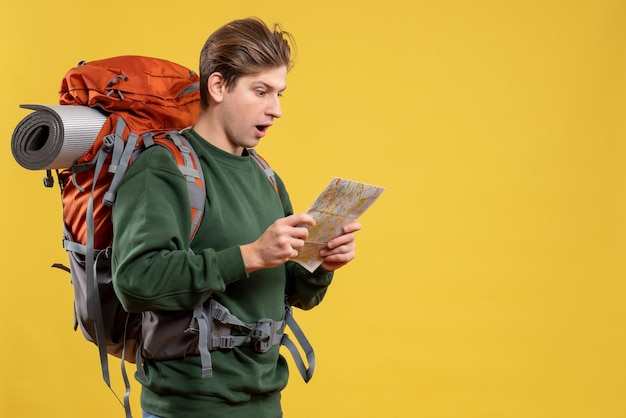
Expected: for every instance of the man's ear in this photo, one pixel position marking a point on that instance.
(216, 86)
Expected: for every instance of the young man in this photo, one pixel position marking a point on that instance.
(241, 254)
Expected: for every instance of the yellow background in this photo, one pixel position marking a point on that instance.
(490, 274)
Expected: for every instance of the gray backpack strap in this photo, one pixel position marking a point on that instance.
(202, 321)
(120, 152)
(262, 335)
(306, 373)
(265, 167)
(192, 170)
(94, 308)
(93, 294)
(140, 371)
(119, 167)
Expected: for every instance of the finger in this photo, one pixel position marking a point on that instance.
(352, 227)
(299, 219)
(341, 240)
(339, 259)
(289, 254)
(299, 232)
(297, 243)
(340, 249)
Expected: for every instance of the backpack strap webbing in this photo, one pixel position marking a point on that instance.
(265, 167)
(189, 165)
(192, 170)
(121, 157)
(94, 307)
(306, 373)
(213, 323)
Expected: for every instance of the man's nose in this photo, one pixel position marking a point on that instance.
(274, 108)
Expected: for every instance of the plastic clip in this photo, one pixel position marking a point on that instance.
(261, 335)
(226, 342)
(108, 142)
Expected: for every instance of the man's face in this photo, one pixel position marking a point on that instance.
(249, 109)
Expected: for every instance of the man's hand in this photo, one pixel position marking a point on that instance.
(280, 242)
(340, 250)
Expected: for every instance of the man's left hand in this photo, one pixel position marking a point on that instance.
(340, 250)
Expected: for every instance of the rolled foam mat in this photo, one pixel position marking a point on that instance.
(54, 136)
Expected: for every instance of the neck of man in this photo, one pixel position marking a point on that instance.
(208, 127)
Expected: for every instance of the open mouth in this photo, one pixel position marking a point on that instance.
(262, 129)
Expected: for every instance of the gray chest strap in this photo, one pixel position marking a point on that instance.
(216, 324)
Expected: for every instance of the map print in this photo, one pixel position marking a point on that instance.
(342, 202)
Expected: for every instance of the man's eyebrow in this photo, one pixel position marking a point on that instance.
(267, 86)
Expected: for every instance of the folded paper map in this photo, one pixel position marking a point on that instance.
(341, 203)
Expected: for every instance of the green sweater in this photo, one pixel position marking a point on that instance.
(153, 270)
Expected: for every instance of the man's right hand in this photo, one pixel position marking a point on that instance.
(280, 242)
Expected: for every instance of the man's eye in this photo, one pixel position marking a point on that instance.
(260, 92)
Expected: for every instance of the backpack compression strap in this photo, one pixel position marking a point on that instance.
(213, 326)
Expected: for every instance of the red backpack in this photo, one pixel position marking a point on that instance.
(148, 101)
(146, 98)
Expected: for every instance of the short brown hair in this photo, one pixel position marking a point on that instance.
(242, 47)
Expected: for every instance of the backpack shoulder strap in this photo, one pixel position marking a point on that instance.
(265, 167)
(189, 165)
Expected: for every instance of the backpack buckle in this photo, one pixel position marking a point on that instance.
(261, 335)
(193, 328)
(226, 342)
(108, 142)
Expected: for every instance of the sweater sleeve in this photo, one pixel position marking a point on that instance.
(306, 290)
(152, 266)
